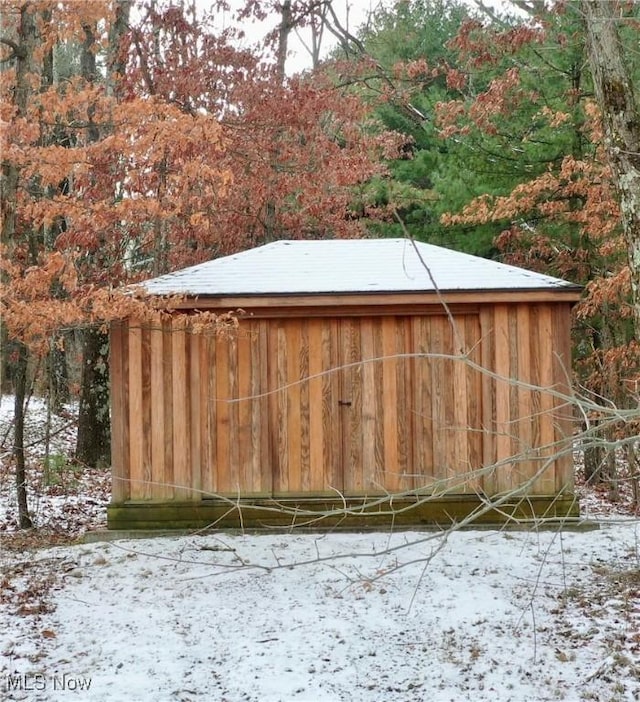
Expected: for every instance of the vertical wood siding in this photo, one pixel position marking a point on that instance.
(359, 405)
(119, 412)
(527, 431)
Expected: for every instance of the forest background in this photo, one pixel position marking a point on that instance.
(140, 137)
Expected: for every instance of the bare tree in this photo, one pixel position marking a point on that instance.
(22, 46)
(614, 89)
(94, 435)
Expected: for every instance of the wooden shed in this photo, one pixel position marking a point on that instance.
(377, 380)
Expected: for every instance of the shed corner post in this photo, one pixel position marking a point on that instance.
(119, 411)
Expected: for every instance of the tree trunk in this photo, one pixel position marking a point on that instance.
(20, 390)
(93, 442)
(116, 57)
(93, 445)
(94, 435)
(286, 25)
(5, 364)
(56, 369)
(24, 56)
(58, 378)
(621, 119)
(593, 464)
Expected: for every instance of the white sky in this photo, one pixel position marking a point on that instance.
(352, 14)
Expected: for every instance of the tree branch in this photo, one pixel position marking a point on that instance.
(18, 51)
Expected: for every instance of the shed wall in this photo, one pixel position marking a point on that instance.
(362, 404)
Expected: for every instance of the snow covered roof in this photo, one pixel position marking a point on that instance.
(348, 266)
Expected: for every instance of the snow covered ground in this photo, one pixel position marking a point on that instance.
(64, 498)
(340, 617)
(371, 617)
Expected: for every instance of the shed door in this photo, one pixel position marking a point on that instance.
(326, 407)
(304, 393)
(444, 398)
(375, 413)
(362, 406)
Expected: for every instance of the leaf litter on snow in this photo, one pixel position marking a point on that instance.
(65, 499)
(495, 616)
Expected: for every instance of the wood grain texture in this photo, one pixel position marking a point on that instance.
(279, 408)
(379, 478)
(119, 413)
(390, 402)
(449, 410)
(536, 395)
(210, 481)
(252, 413)
(181, 413)
(135, 423)
(363, 404)
(503, 429)
(168, 488)
(523, 406)
(316, 480)
(148, 476)
(203, 419)
(423, 424)
(233, 407)
(261, 407)
(564, 412)
(359, 304)
(438, 412)
(545, 485)
(460, 435)
(225, 483)
(332, 428)
(369, 404)
(474, 394)
(403, 419)
(489, 385)
(517, 470)
(194, 341)
(349, 407)
(292, 475)
(240, 372)
(157, 391)
(304, 408)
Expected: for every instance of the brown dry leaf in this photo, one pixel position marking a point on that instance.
(48, 634)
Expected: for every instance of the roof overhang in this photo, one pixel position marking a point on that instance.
(407, 300)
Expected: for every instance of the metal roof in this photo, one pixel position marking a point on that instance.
(348, 266)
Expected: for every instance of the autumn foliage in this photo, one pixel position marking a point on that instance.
(190, 150)
(565, 219)
(137, 138)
